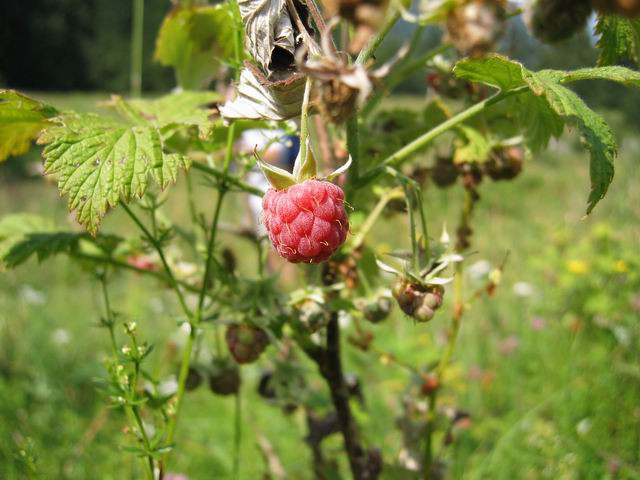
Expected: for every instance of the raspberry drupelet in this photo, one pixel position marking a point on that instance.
(306, 222)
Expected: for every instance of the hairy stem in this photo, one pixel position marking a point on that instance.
(133, 415)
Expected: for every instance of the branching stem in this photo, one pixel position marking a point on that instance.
(422, 141)
(156, 245)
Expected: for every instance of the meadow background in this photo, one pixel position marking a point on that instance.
(548, 369)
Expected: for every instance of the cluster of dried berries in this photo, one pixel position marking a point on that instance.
(416, 300)
(474, 26)
(504, 163)
(223, 377)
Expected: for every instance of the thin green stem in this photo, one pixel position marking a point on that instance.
(353, 140)
(410, 199)
(425, 229)
(353, 146)
(359, 237)
(231, 181)
(137, 32)
(216, 219)
(399, 74)
(133, 416)
(458, 312)
(237, 436)
(304, 121)
(422, 141)
(193, 211)
(152, 240)
(210, 248)
(182, 381)
(109, 315)
(368, 51)
(126, 266)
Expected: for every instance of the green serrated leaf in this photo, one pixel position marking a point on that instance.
(495, 70)
(623, 75)
(195, 41)
(99, 162)
(619, 39)
(473, 147)
(171, 112)
(538, 120)
(21, 120)
(596, 134)
(42, 245)
(23, 236)
(14, 227)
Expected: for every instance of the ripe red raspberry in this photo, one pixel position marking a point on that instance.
(306, 222)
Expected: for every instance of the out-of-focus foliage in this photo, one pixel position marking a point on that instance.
(77, 45)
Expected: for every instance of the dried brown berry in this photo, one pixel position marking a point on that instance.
(246, 342)
(552, 21)
(505, 163)
(625, 8)
(418, 301)
(224, 378)
(475, 26)
(444, 173)
(194, 379)
(375, 309)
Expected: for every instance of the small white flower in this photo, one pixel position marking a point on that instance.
(32, 296)
(479, 269)
(584, 427)
(60, 337)
(168, 386)
(523, 289)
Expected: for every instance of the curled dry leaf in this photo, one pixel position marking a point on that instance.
(259, 98)
(272, 88)
(271, 37)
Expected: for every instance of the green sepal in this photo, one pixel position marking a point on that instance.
(277, 177)
(306, 168)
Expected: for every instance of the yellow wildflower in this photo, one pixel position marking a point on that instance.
(621, 266)
(579, 267)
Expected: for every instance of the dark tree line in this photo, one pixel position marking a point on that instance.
(65, 45)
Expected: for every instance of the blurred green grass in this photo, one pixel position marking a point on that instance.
(547, 369)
